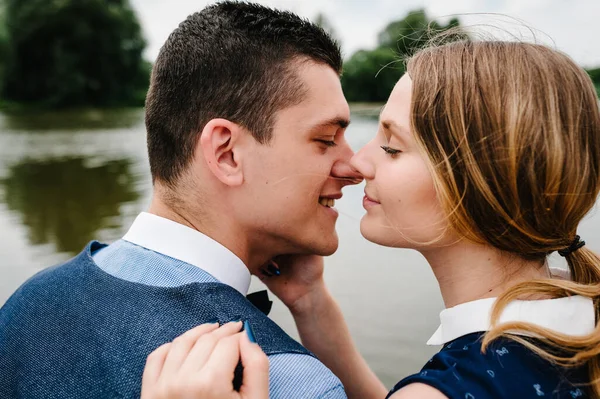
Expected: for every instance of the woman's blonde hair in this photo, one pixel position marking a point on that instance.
(512, 134)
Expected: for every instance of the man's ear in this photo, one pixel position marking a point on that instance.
(219, 142)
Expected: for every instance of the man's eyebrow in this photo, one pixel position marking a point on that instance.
(333, 122)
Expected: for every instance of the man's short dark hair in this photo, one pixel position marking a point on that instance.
(232, 60)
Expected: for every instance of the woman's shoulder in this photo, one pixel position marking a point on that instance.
(506, 369)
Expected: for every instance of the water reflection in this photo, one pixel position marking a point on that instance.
(90, 119)
(66, 201)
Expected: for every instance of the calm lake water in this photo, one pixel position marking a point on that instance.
(66, 179)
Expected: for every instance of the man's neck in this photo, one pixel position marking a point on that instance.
(226, 232)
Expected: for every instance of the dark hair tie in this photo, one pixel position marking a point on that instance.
(575, 245)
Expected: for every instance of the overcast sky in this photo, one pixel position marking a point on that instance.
(572, 26)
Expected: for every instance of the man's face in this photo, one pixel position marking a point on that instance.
(291, 183)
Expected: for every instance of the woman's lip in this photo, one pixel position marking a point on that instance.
(370, 199)
(369, 203)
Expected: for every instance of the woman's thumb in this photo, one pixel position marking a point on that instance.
(256, 368)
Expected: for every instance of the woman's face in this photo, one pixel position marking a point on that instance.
(402, 207)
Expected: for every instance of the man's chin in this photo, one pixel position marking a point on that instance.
(308, 245)
(326, 248)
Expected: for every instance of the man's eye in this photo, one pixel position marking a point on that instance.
(390, 151)
(328, 143)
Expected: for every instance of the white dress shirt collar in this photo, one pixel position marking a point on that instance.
(570, 315)
(191, 246)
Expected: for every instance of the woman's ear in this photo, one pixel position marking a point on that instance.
(219, 143)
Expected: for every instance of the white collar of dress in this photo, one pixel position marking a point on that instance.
(572, 315)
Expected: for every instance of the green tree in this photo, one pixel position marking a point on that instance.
(412, 33)
(74, 53)
(3, 41)
(370, 75)
(595, 75)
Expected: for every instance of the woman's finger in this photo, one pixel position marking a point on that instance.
(256, 370)
(219, 367)
(199, 354)
(153, 368)
(180, 347)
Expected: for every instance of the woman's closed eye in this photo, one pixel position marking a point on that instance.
(390, 150)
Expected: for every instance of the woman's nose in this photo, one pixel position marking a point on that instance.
(360, 163)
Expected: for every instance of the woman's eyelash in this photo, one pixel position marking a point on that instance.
(328, 143)
(389, 150)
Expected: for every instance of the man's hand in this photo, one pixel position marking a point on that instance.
(300, 283)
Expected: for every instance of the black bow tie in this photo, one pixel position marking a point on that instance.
(260, 299)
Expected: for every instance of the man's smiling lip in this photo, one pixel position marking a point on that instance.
(335, 196)
(330, 210)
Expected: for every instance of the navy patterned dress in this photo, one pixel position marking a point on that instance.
(506, 370)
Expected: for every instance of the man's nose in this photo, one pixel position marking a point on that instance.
(343, 170)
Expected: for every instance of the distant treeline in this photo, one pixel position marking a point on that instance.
(88, 53)
(69, 53)
(370, 75)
